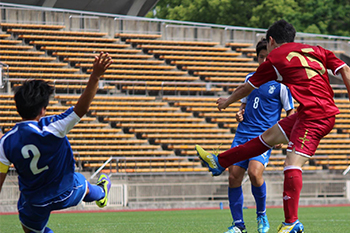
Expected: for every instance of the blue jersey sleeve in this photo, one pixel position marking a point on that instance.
(286, 98)
(60, 125)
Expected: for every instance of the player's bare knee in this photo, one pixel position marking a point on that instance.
(254, 174)
(234, 180)
(255, 177)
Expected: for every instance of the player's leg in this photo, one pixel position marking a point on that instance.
(293, 182)
(255, 172)
(256, 146)
(94, 193)
(104, 182)
(304, 140)
(253, 148)
(33, 218)
(235, 196)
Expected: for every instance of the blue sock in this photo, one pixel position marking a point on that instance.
(48, 230)
(259, 194)
(235, 197)
(95, 193)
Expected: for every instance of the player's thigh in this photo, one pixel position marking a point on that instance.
(274, 136)
(280, 132)
(293, 159)
(239, 140)
(72, 197)
(33, 218)
(257, 164)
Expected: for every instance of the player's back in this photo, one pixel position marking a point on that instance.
(43, 159)
(303, 68)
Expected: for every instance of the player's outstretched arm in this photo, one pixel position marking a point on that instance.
(241, 91)
(345, 74)
(101, 64)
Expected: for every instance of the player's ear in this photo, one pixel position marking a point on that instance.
(43, 112)
(271, 44)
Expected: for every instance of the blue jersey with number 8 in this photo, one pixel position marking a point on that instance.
(42, 156)
(263, 107)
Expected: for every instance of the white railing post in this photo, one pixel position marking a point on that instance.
(98, 170)
(346, 170)
(4, 74)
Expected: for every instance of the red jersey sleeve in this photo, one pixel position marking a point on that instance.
(332, 62)
(263, 74)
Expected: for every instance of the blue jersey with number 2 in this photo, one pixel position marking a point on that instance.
(263, 107)
(42, 156)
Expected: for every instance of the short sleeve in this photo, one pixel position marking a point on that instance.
(286, 98)
(263, 74)
(60, 125)
(332, 62)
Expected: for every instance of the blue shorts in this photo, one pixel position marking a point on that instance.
(263, 158)
(36, 217)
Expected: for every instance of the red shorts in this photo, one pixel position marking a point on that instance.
(305, 135)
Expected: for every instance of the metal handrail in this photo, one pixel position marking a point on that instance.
(98, 170)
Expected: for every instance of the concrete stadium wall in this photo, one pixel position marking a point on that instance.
(170, 30)
(112, 25)
(200, 191)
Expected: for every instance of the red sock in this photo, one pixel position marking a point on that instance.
(293, 182)
(250, 149)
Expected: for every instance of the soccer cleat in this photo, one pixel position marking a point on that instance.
(210, 160)
(263, 224)
(295, 227)
(105, 183)
(236, 229)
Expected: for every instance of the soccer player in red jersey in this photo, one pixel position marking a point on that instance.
(303, 68)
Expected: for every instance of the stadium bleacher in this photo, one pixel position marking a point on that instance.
(155, 102)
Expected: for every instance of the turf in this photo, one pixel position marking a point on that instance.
(315, 219)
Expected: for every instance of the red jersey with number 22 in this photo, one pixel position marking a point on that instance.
(303, 68)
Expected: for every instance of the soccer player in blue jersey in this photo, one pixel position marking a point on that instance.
(41, 153)
(258, 112)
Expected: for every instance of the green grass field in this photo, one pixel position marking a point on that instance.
(315, 219)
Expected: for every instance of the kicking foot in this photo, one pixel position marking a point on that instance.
(105, 183)
(210, 160)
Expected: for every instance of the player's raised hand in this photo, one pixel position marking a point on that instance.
(101, 64)
(221, 102)
(239, 115)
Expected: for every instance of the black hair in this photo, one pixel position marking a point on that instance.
(281, 31)
(31, 97)
(262, 44)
